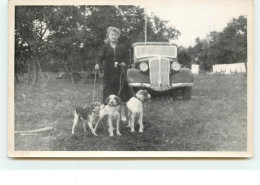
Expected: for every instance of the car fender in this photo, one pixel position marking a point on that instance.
(136, 76)
(184, 75)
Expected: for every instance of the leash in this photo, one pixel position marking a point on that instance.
(122, 83)
(94, 90)
(128, 85)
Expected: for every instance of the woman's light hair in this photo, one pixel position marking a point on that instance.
(113, 29)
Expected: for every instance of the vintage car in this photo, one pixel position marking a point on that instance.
(155, 68)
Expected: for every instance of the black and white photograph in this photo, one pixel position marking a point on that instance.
(130, 78)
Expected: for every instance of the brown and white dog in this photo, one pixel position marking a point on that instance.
(111, 109)
(135, 108)
(88, 114)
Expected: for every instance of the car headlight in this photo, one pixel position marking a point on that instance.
(143, 66)
(175, 66)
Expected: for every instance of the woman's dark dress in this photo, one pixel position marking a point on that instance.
(109, 56)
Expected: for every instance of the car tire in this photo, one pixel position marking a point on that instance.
(174, 94)
(186, 93)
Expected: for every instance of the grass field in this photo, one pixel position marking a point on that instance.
(213, 120)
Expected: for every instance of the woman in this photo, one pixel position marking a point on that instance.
(115, 58)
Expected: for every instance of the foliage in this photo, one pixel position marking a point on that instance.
(68, 38)
(31, 25)
(183, 57)
(159, 32)
(228, 46)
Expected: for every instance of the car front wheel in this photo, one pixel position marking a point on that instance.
(186, 93)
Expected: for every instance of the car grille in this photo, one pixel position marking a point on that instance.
(159, 72)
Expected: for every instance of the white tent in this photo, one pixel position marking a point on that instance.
(195, 68)
(229, 68)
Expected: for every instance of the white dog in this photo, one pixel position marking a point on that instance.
(135, 108)
(111, 109)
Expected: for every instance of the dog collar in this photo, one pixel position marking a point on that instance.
(112, 105)
(138, 99)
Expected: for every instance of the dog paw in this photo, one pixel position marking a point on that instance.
(111, 135)
(141, 130)
(132, 130)
(118, 133)
(123, 118)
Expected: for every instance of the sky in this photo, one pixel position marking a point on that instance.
(197, 19)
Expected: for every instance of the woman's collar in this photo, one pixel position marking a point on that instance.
(115, 45)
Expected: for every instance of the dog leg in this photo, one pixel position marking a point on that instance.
(122, 110)
(95, 129)
(90, 124)
(140, 120)
(76, 119)
(129, 121)
(101, 116)
(117, 125)
(132, 122)
(110, 127)
(84, 126)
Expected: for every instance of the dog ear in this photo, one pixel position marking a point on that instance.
(141, 92)
(147, 95)
(144, 93)
(92, 106)
(106, 100)
(96, 104)
(118, 99)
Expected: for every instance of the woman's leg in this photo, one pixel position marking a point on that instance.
(106, 87)
(126, 92)
(111, 84)
(115, 84)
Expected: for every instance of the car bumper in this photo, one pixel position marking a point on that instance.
(161, 88)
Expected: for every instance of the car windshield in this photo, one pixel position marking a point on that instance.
(148, 51)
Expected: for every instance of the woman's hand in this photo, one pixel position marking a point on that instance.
(97, 67)
(123, 66)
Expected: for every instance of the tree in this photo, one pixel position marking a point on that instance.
(228, 46)
(160, 32)
(68, 38)
(31, 24)
(183, 57)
